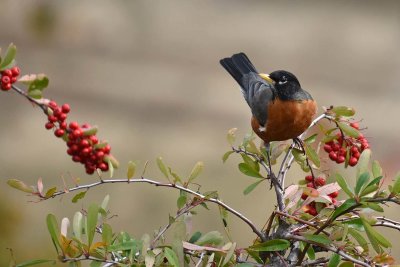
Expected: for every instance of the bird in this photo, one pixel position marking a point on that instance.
(281, 109)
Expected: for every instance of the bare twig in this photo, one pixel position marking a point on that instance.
(169, 185)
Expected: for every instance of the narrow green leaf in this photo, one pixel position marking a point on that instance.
(247, 170)
(252, 148)
(359, 238)
(131, 170)
(110, 166)
(77, 225)
(104, 203)
(347, 264)
(271, 245)
(54, 231)
(311, 139)
(181, 201)
(196, 236)
(374, 206)
(78, 196)
(226, 156)
(396, 185)
(162, 167)
(380, 238)
(229, 254)
(95, 263)
(50, 192)
(39, 83)
(363, 161)
(171, 257)
(345, 207)
(318, 239)
(371, 236)
(343, 184)
(361, 182)
(343, 111)
(376, 169)
(34, 262)
(17, 184)
(197, 169)
(252, 187)
(375, 181)
(231, 137)
(9, 57)
(369, 189)
(334, 260)
(348, 130)
(312, 155)
(91, 222)
(106, 234)
(311, 253)
(210, 238)
(176, 177)
(36, 94)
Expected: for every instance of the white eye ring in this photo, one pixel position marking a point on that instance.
(282, 82)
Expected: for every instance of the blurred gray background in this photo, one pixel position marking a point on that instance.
(147, 73)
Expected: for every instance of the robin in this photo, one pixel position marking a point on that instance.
(281, 108)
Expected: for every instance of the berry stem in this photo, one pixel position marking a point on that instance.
(32, 100)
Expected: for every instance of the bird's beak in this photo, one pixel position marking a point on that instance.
(266, 77)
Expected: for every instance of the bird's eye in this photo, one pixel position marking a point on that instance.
(283, 80)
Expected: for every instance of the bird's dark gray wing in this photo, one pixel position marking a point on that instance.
(258, 94)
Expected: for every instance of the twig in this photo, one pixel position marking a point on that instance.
(169, 185)
(327, 247)
(315, 262)
(32, 100)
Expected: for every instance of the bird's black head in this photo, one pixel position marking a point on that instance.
(286, 84)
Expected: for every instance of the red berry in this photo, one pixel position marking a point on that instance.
(353, 161)
(70, 152)
(63, 125)
(311, 185)
(85, 152)
(86, 125)
(312, 211)
(62, 117)
(59, 132)
(77, 133)
(5, 86)
(13, 79)
(74, 148)
(334, 201)
(107, 149)
(93, 139)
(364, 146)
(335, 147)
(320, 181)
(333, 156)
(103, 166)
(74, 125)
(65, 108)
(309, 178)
(340, 159)
(354, 149)
(5, 79)
(99, 154)
(52, 118)
(342, 151)
(360, 136)
(90, 170)
(56, 111)
(53, 104)
(84, 143)
(304, 196)
(7, 72)
(76, 158)
(354, 125)
(15, 71)
(49, 125)
(334, 194)
(327, 148)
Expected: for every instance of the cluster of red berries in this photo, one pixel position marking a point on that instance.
(83, 144)
(316, 183)
(349, 148)
(8, 77)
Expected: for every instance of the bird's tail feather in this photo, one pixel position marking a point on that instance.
(237, 66)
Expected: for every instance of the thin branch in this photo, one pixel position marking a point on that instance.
(169, 185)
(315, 262)
(336, 250)
(32, 100)
(313, 225)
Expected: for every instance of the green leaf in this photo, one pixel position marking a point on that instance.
(376, 169)
(363, 161)
(231, 137)
(34, 262)
(369, 189)
(311, 139)
(181, 201)
(195, 237)
(50, 192)
(300, 159)
(343, 111)
(36, 94)
(77, 225)
(271, 245)
(78, 196)
(334, 260)
(110, 166)
(210, 238)
(318, 239)
(252, 148)
(229, 254)
(347, 264)
(348, 130)
(343, 184)
(104, 203)
(253, 164)
(106, 234)
(361, 182)
(197, 169)
(131, 169)
(162, 167)
(8, 59)
(380, 238)
(54, 231)
(371, 236)
(311, 253)
(252, 187)
(396, 185)
(95, 263)
(312, 155)
(17, 184)
(226, 156)
(91, 223)
(346, 206)
(374, 206)
(171, 257)
(248, 170)
(359, 238)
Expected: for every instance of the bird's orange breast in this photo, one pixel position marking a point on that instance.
(286, 120)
